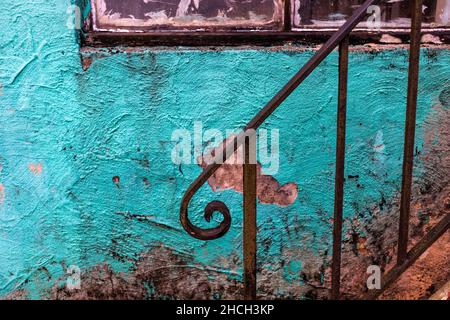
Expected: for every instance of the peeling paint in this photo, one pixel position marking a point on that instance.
(229, 176)
(2, 193)
(36, 169)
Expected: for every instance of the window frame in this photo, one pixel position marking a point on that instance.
(288, 34)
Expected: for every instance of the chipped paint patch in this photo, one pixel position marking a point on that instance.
(388, 39)
(2, 193)
(229, 176)
(429, 38)
(36, 169)
(86, 62)
(116, 181)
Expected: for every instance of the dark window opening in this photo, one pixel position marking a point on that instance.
(393, 13)
(258, 22)
(188, 14)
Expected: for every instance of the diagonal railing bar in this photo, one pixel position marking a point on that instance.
(249, 167)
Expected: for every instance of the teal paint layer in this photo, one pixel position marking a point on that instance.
(65, 133)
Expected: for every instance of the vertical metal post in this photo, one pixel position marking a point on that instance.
(249, 231)
(410, 127)
(340, 165)
(287, 15)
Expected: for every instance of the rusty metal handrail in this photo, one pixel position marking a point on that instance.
(261, 116)
(406, 258)
(341, 39)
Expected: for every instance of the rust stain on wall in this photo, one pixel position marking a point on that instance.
(159, 273)
(163, 273)
(86, 63)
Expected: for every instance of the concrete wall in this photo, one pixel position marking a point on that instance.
(86, 176)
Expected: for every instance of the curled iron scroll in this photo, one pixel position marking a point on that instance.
(214, 206)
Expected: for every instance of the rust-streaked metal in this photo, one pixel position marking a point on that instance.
(410, 127)
(249, 229)
(340, 167)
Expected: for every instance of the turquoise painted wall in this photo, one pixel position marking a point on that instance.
(66, 132)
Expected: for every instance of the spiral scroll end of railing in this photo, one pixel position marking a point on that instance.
(229, 147)
(211, 233)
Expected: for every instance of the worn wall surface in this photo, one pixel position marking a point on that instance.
(86, 176)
